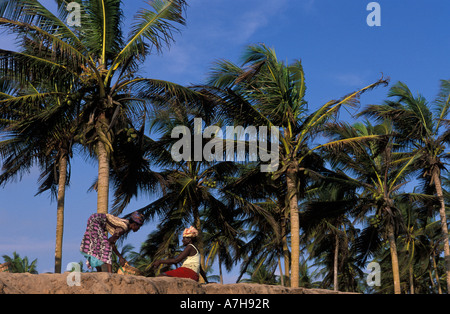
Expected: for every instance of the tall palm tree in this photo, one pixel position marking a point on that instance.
(36, 135)
(223, 247)
(329, 230)
(99, 58)
(425, 132)
(268, 92)
(380, 172)
(261, 202)
(416, 242)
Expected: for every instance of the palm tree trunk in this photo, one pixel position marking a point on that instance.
(284, 240)
(198, 226)
(60, 211)
(411, 279)
(431, 278)
(103, 156)
(220, 270)
(291, 180)
(103, 179)
(437, 182)
(281, 272)
(433, 256)
(336, 261)
(394, 259)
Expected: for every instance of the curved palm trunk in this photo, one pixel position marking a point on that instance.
(60, 211)
(444, 229)
(291, 181)
(433, 256)
(394, 259)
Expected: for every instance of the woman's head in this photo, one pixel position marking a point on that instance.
(189, 236)
(136, 221)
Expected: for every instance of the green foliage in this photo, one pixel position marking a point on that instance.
(83, 85)
(20, 265)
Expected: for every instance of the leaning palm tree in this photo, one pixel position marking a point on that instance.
(427, 135)
(268, 92)
(98, 57)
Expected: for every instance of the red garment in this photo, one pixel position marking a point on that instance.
(183, 272)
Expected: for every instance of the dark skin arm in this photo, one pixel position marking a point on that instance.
(112, 240)
(188, 251)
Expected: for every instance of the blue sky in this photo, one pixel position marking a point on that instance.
(339, 51)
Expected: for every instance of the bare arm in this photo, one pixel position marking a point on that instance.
(175, 260)
(112, 240)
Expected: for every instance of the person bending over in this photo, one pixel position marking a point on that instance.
(97, 247)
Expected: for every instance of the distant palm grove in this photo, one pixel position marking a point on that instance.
(345, 194)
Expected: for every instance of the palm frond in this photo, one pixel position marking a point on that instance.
(327, 111)
(102, 31)
(33, 12)
(61, 51)
(155, 25)
(22, 68)
(443, 102)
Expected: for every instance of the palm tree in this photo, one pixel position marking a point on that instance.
(261, 204)
(20, 265)
(416, 242)
(268, 92)
(262, 274)
(36, 135)
(99, 58)
(330, 232)
(224, 248)
(427, 136)
(380, 173)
